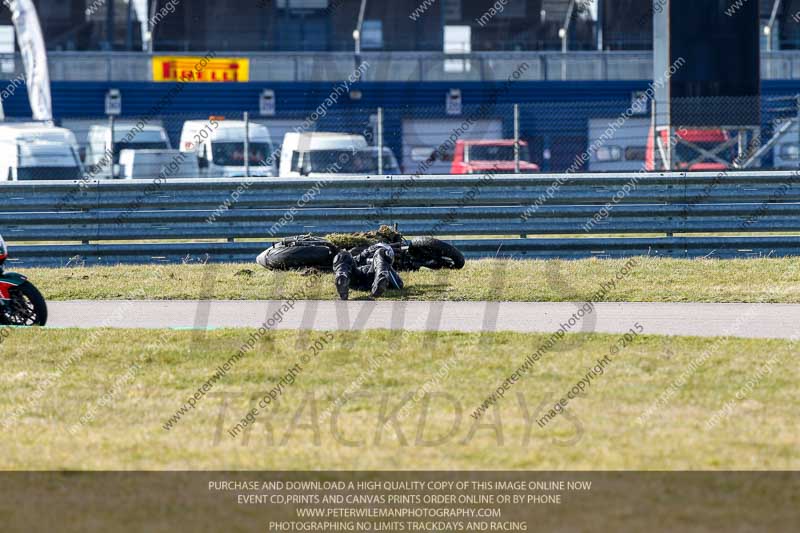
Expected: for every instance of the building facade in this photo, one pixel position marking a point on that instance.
(313, 25)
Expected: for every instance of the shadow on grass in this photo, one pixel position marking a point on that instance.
(420, 290)
(417, 292)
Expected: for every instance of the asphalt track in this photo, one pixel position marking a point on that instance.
(693, 319)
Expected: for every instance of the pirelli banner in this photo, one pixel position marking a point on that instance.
(201, 69)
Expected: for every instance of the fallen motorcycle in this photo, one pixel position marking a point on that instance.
(21, 303)
(307, 251)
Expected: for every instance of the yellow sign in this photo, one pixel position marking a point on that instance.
(200, 69)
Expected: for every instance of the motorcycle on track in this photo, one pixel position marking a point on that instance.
(21, 303)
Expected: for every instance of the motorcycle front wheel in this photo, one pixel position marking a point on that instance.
(282, 257)
(26, 307)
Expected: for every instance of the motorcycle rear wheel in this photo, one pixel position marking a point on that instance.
(26, 308)
(437, 254)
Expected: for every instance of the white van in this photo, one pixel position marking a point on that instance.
(343, 162)
(98, 151)
(37, 152)
(786, 153)
(323, 153)
(154, 164)
(626, 149)
(219, 146)
(38, 131)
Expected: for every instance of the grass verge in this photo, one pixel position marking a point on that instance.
(651, 280)
(126, 384)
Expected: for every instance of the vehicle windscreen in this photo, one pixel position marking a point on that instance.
(48, 173)
(49, 162)
(348, 162)
(231, 154)
(490, 152)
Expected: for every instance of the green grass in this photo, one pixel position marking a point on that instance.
(601, 432)
(653, 280)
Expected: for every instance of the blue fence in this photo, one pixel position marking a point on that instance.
(555, 117)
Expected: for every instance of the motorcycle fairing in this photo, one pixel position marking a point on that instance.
(9, 280)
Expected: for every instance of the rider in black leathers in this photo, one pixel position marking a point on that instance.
(370, 270)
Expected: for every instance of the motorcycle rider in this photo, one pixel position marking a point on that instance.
(371, 270)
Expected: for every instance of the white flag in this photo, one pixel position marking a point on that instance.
(34, 57)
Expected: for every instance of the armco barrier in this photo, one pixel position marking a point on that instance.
(108, 222)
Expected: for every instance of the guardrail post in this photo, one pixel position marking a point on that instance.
(516, 138)
(380, 141)
(111, 120)
(797, 113)
(246, 144)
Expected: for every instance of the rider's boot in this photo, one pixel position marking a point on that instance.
(382, 264)
(342, 267)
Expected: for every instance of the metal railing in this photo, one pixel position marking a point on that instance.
(107, 222)
(394, 66)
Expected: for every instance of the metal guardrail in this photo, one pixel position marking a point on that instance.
(394, 66)
(95, 217)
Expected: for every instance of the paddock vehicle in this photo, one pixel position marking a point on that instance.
(347, 162)
(127, 136)
(786, 153)
(306, 251)
(36, 152)
(155, 164)
(620, 150)
(303, 153)
(219, 147)
(21, 303)
(478, 157)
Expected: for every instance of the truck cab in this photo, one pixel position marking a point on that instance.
(478, 157)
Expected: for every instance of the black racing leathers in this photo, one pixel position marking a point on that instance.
(370, 270)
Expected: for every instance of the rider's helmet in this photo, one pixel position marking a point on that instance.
(3, 250)
(386, 249)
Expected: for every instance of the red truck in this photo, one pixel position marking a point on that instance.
(476, 157)
(685, 157)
